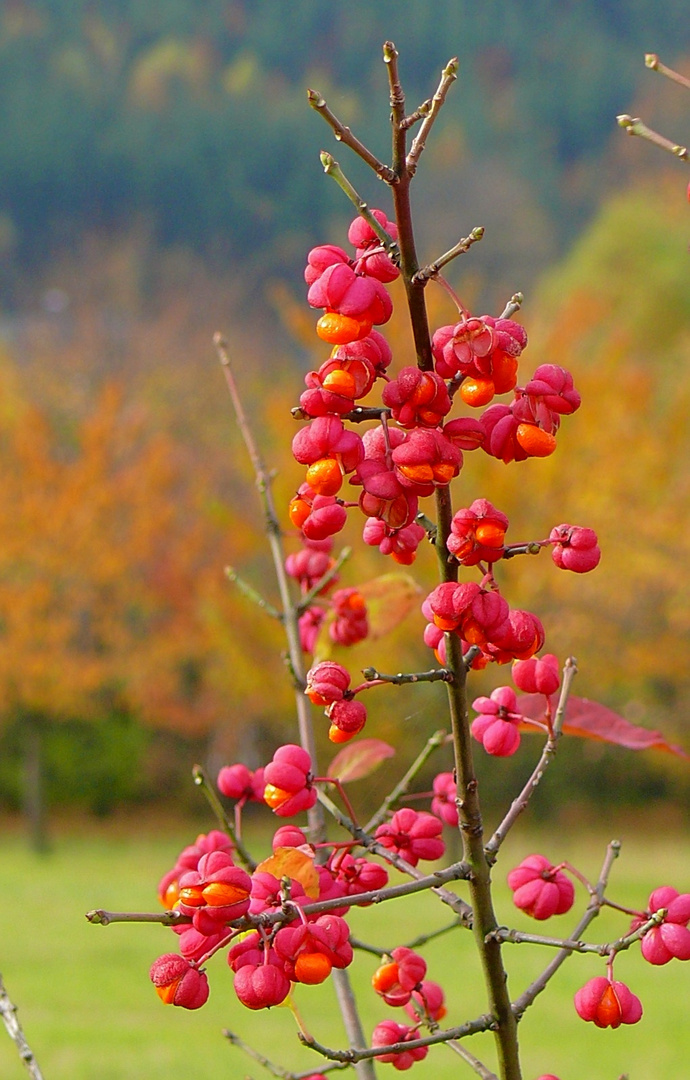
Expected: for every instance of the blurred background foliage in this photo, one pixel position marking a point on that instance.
(159, 180)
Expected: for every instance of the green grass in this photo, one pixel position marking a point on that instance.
(89, 1010)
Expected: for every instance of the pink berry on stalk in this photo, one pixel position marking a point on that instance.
(178, 982)
(671, 939)
(538, 675)
(413, 834)
(496, 727)
(575, 548)
(540, 889)
(289, 781)
(607, 1003)
(388, 1033)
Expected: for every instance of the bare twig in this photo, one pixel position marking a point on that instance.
(520, 803)
(448, 77)
(419, 114)
(271, 1067)
(533, 547)
(275, 540)
(8, 1011)
(634, 126)
(403, 678)
(201, 781)
(332, 168)
(514, 304)
(344, 135)
(472, 1027)
(397, 102)
(472, 1061)
(652, 61)
(432, 269)
(99, 917)
(251, 593)
(416, 943)
(432, 743)
(609, 948)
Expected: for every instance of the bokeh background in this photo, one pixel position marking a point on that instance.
(160, 181)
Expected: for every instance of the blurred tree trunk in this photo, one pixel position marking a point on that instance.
(34, 783)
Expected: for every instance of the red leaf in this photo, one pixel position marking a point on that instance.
(590, 720)
(359, 759)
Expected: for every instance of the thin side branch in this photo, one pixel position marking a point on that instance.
(201, 780)
(8, 1011)
(318, 586)
(402, 678)
(332, 169)
(634, 126)
(422, 939)
(439, 738)
(652, 61)
(472, 1061)
(432, 269)
(472, 1027)
(458, 871)
(448, 77)
(419, 114)
(514, 304)
(270, 1066)
(344, 135)
(520, 803)
(420, 882)
(397, 103)
(251, 593)
(275, 541)
(99, 917)
(533, 547)
(416, 943)
(609, 948)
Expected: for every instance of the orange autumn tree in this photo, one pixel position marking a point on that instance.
(112, 575)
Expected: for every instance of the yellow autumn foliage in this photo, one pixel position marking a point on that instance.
(617, 315)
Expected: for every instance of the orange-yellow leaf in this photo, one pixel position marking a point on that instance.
(296, 864)
(390, 598)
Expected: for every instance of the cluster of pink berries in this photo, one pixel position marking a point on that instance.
(226, 907)
(270, 923)
(222, 902)
(395, 467)
(497, 727)
(328, 684)
(542, 889)
(400, 981)
(217, 896)
(309, 566)
(477, 612)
